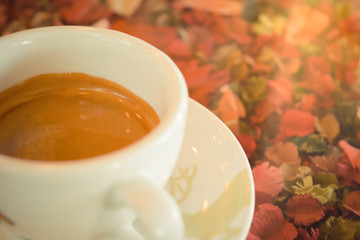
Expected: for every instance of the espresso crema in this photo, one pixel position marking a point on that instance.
(68, 116)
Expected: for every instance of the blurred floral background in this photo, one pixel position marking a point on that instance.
(283, 75)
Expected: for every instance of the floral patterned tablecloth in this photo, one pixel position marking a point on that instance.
(284, 76)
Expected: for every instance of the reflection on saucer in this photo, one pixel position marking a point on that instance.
(212, 181)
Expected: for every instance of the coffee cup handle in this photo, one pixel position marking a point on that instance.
(136, 209)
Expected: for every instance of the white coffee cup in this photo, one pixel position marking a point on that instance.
(118, 195)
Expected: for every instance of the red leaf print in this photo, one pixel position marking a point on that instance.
(230, 108)
(233, 28)
(159, 36)
(300, 26)
(3, 15)
(328, 164)
(297, 123)
(194, 73)
(288, 51)
(268, 179)
(288, 3)
(352, 154)
(264, 40)
(196, 17)
(352, 202)
(282, 152)
(347, 72)
(348, 173)
(222, 7)
(23, 8)
(269, 224)
(95, 13)
(259, 67)
(251, 236)
(317, 76)
(203, 93)
(201, 39)
(248, 143)
(260, 198)
(304, 209)
(76, 11)
(351, 24)
(178, 48)
(316, 66)
(306, 103)
(303, 234)
(281, 89)
(279, 93)
(264, 109)
(202, 80)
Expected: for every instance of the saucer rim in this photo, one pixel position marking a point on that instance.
(219, 123)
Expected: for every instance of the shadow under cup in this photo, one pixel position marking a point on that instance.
(108, 54)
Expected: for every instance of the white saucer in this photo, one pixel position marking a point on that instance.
(212, 181)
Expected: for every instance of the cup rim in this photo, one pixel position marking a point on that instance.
(156, 137)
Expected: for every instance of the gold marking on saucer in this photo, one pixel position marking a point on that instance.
(220, 214)
(176, 184)
(6, 219)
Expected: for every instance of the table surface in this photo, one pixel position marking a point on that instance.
(283, 75)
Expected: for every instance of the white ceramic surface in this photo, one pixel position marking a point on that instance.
(97, 198)
(212, 181)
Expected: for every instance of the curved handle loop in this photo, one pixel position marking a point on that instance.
(138, 210)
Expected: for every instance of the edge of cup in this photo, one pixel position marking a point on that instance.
(157, 136)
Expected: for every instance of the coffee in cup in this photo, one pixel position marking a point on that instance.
(68, 116)
(115, 195)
